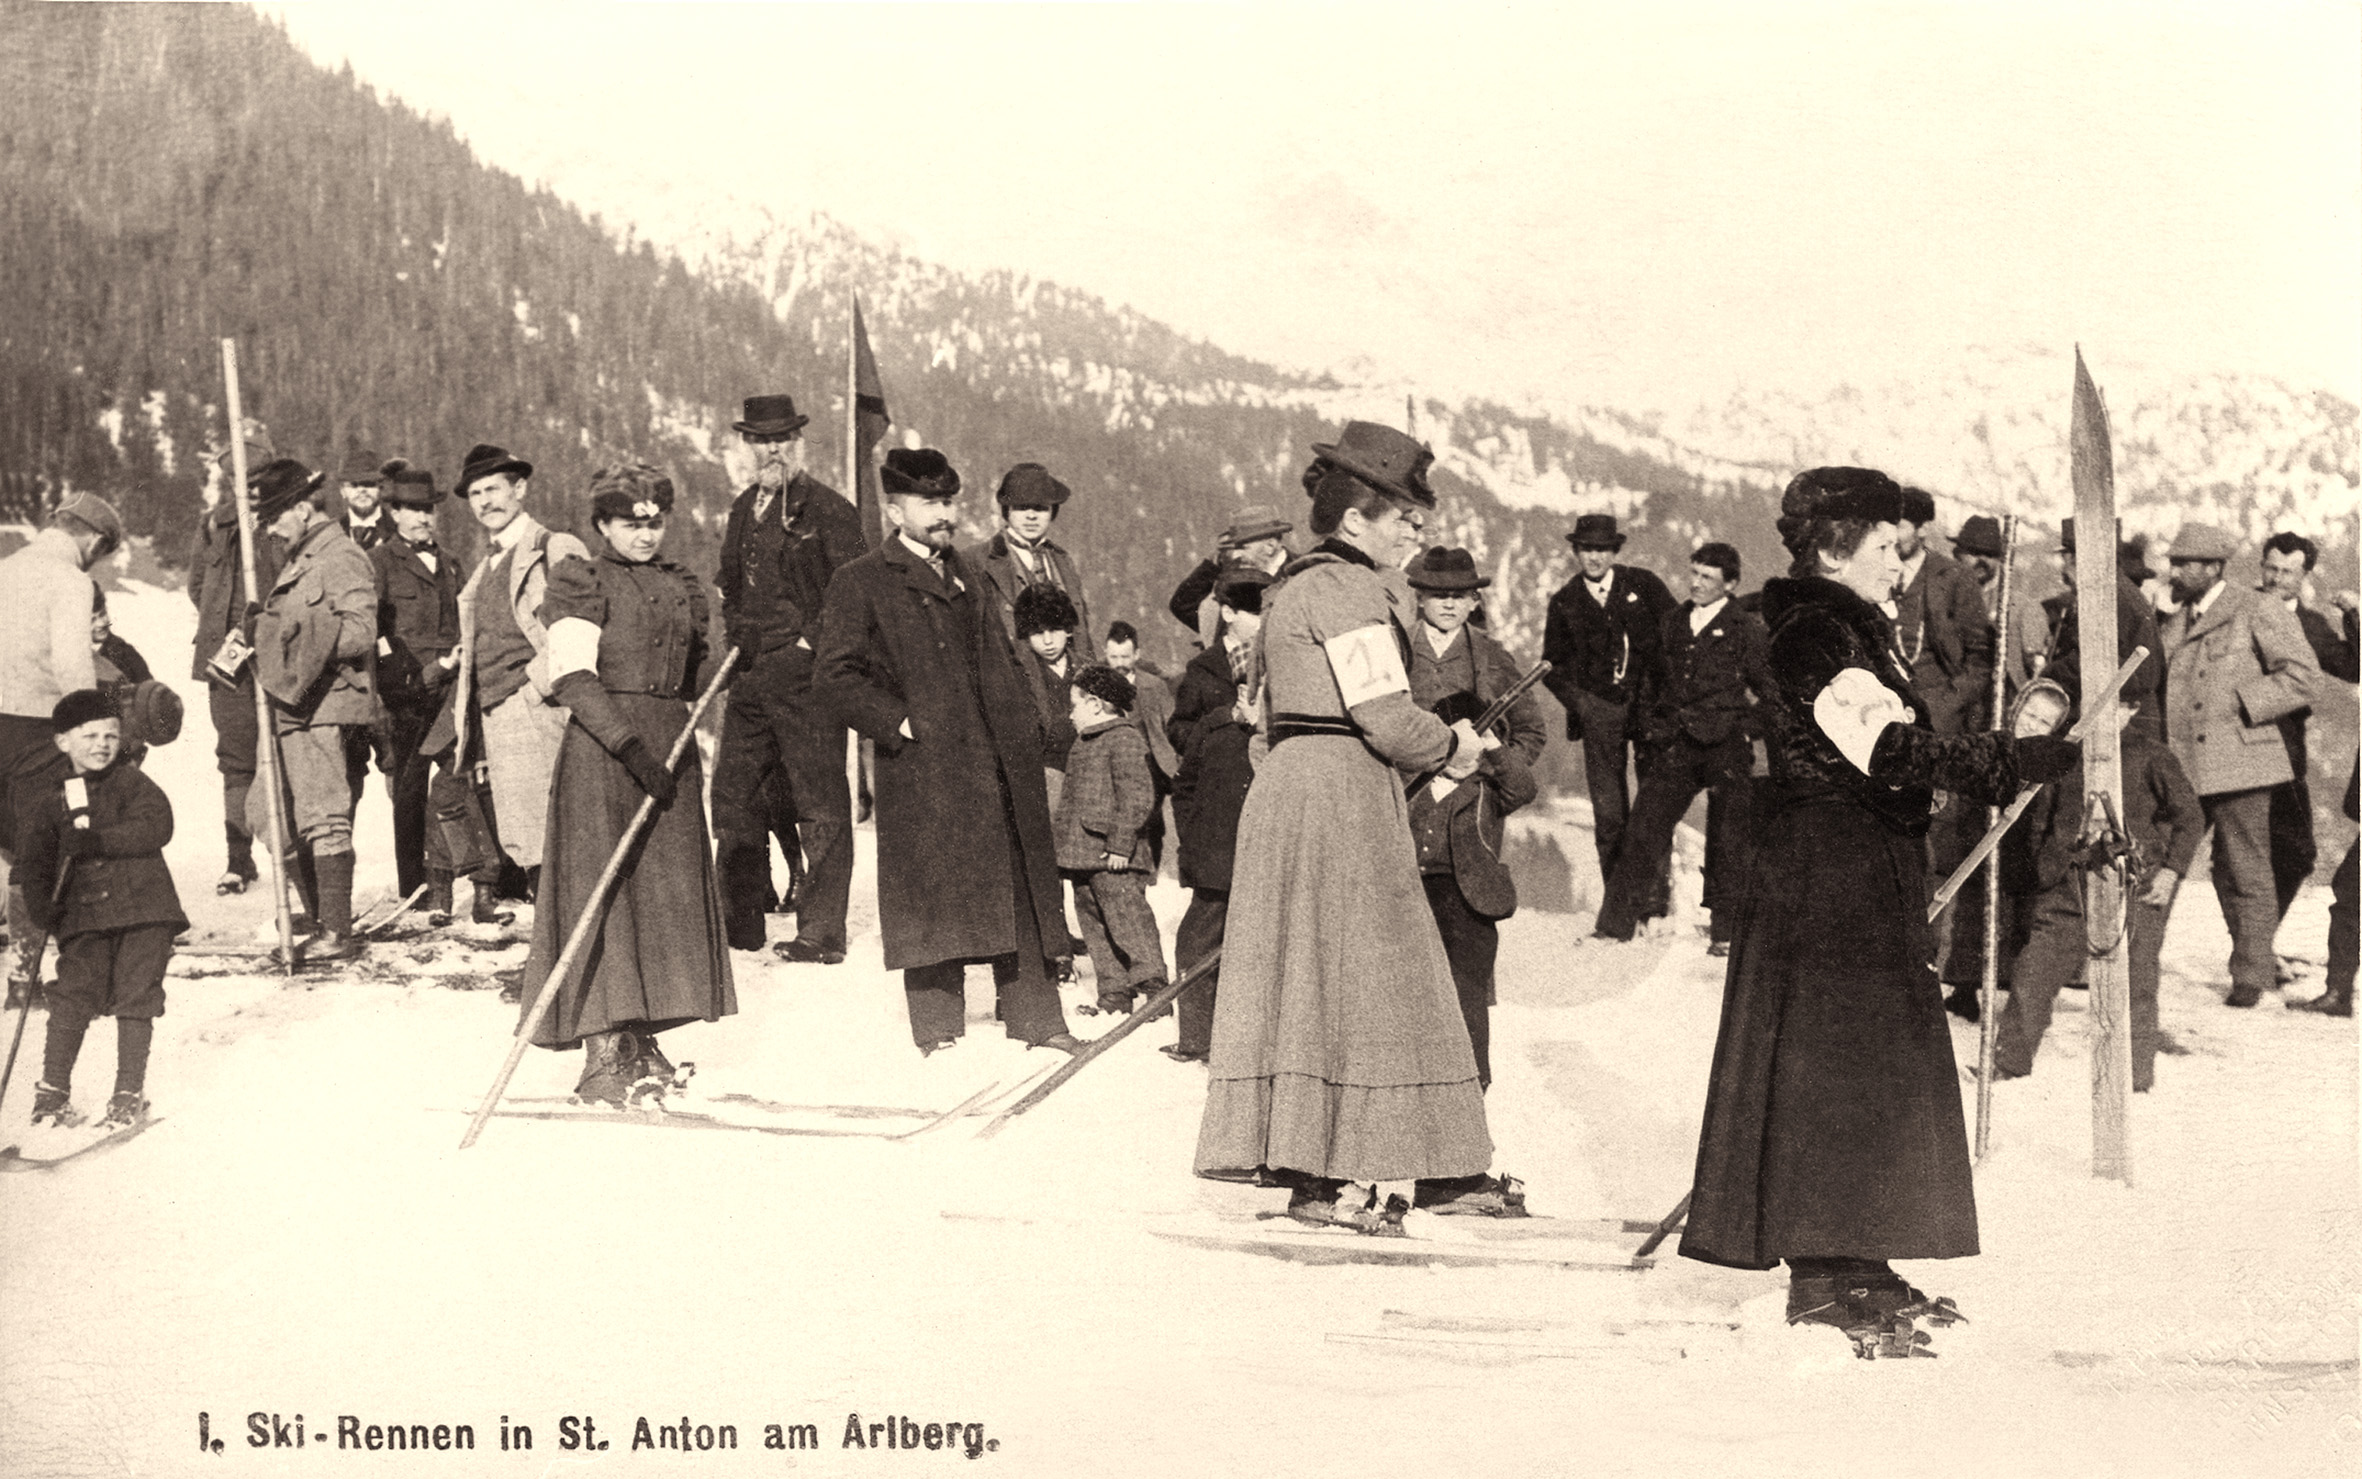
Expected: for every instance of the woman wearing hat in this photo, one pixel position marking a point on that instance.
(1340, 1058)
(1833, 1137)
(627, 643)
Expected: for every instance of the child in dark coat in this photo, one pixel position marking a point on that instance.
(2164, 821)
(92, 855)
(1101, 814)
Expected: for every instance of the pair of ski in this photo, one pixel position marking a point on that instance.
(1560, 1243)
(565, 1109)
(369, 925)
(103, 1137)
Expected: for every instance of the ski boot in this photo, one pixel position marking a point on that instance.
(51, 1107)
(487, 908)
(1472, 1196)
(655, 1075)
(1878, 1312)
(438, 900)
(607, 1070)
(1385, 1221)
(1319, 1201)
(125, 1111)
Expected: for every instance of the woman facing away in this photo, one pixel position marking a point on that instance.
(627, 634)
(1833, 1138)
(1340, 1057)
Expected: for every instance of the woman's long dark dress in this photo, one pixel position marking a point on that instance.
(1833, 1125)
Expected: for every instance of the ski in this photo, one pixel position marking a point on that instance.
(1322, 1247)
(13, 1157)
(563, 1109)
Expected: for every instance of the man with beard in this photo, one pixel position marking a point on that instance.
(361, 486)
(1603, 640)
(786, 536)
(912, 656)
(2237, 662)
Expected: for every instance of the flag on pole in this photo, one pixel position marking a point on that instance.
(869, 423)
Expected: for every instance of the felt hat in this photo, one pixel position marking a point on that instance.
(2201, 542)
(1862, 493)
(1255, 521)
(921, 470)
(771, 416)
(630, 490)
(1595, 531)
(153, 715)
(407, 486)
(81, 707)
(1445, 572)
(1981, 535)
(1382, 457)
(361, 466)
(278, 486)
(95, 514)
(1029, 485)
(482, 461)
(258, 446)
(1242, 589)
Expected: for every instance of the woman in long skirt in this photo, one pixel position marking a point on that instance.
(627, 637)
(1833, 1136)
(1340, 1056)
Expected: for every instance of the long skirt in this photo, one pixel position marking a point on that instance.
(658, 958)
(1833, 1124)
(1339, 1049)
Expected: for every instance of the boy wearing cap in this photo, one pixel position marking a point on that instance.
(94, 871)
(1101, 822)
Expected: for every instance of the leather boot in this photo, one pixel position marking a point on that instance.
(335, 939)
(606, 1069)
(438, 898)
(487, 906)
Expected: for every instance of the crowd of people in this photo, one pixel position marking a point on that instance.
(1338, 758)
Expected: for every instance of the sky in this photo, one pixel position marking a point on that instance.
(1552, 205)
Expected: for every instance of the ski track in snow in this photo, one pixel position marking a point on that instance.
(305, 1237)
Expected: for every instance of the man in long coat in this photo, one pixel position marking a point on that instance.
(217, 588)
(786, 536)
(2236, 662)
(1601, 638)
(913, 657)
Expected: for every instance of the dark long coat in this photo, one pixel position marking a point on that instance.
(659, 956)
(418, 620)
(1211, 785)
(963, 815)
(1833, 1123)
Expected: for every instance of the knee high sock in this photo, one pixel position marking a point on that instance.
(63, 1046)
(133, 1035)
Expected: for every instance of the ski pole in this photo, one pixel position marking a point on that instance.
(1994, 834)
(1106, 1040)
(1989, 980)
(594, 911)
(24, 1009)
(1664, 1229)
(266, 744)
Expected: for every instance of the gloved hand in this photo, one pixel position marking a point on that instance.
(2042, 758)
(652, 774)
(78, 842)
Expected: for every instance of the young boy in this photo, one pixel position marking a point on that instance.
(2164, 821)
(1098, 823)
(93, 859)
(1045, 623)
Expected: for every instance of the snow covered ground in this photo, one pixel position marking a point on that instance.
(302, 1236)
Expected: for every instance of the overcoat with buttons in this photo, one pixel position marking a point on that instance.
(963, 815)
(125, 881)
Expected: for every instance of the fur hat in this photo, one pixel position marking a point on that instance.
(482, 461)
(1029, 485)
(1842, 493)
(1919, 506)
(1108, 686)
(1386, 459)
(1447, 572)
(83, 706)
(153, 715)
(920, 470)
(1042, 607)
(406, 486)
(276, 487)
(629, 490)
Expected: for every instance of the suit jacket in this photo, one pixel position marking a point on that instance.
(122, 884)
(1614, 652)
(1107, 800)
(367, 537)
(1942, 628)
(316, 642)
(1152, 710)
(1713, 679)
(417, 623)
(771, 603)
(1216, 768)
(2230, 677)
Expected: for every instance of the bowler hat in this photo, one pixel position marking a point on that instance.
(771, 416)
(407, 486)
(1029, 485)
(1386, 459)
(921, 470)
(1242, 589)
(1981, 535)
(482, 461)
(2201, 542)
(153, 715)
(1444, 572)
(1255, 521)
(361, 466)
(1595, 531)
(276, 487)
(95, 514)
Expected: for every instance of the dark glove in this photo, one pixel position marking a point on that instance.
(650, 772)
(78, 842)
(2042, 758)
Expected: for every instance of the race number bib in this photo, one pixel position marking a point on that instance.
(1854, 710)
(1367, 663)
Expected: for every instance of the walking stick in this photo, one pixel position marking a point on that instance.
(1664, 1229)
(24, 1009)
(1109, 1039)
(1994, 834)
(1989, 984)
(595, 910)
(266, 744)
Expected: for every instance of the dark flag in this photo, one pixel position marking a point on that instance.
(869, 428)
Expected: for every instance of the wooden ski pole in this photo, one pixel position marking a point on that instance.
(266, 743)
(24, 1009)
(1664, 1229)
(1989, 986)
(1109, 1039)
(596, 908)
(2017, 808)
